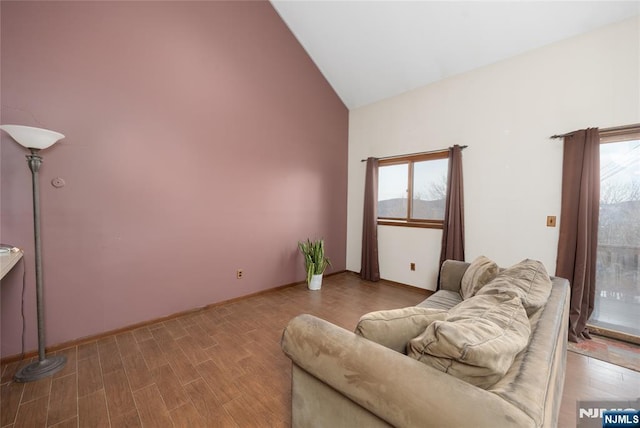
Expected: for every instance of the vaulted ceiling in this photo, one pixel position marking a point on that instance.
(372, 50)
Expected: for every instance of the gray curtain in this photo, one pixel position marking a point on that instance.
(369, 265)
(453, 227)
(578, 240)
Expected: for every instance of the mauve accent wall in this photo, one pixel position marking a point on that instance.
(200, 138)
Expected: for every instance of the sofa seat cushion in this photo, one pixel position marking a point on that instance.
(394, 328)
(478, 341)
(481, 271)
(527, 280)
(442, 299)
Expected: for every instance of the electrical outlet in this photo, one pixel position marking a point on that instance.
(239, 274)
(412, 266)
(551, 221)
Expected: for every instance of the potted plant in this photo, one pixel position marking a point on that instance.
(315, 261)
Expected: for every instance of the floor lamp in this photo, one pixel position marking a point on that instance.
(36, 139)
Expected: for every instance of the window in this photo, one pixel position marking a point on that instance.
(412, 190)
(617, 301)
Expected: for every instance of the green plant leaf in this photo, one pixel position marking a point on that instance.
(315, 261)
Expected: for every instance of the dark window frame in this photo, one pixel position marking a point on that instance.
(612, 136)
(410, 160)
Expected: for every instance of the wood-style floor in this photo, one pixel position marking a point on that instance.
(224, 367)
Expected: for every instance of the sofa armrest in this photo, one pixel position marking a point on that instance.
(396, 388)
(451, 274)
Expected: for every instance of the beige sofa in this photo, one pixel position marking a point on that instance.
(340, 379)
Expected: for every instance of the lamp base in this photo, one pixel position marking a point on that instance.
(40, 369)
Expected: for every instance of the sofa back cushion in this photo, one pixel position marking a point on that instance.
(481, 271)
(478, 340)
(395, 327)
(527, 280)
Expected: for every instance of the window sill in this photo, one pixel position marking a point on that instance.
(411, 223)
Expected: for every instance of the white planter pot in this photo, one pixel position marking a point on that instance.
(316, 282)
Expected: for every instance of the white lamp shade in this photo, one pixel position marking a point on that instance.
(32, 138)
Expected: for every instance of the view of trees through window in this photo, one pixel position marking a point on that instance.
(413, 191)
(617, 303)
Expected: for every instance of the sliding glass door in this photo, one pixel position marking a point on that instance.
(617, 301)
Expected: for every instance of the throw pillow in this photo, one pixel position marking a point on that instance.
(478, 340)
(394, 328)
(528, 280)
(480, 272)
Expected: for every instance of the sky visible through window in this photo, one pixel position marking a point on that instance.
(392, 179)
(620, 172)
(392, 182)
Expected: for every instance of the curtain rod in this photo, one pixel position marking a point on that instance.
(605, 130)
(414, 154)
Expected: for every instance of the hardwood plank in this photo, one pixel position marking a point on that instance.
(179, 362)
(225, 388)
(175, 327)
(187, 416)
(250, 413)
(32, 414)
(70, 367)
(67, 423)
(152, 354)
(269, 391)
(10, 369)
(187, 320)
(208, 405)
(581, 383)
(110, 360)
(119, 396)
(151, 408)
(137, 371)
(206, 322)
(224, 357)
(88, 350)
(170, 387)
(63, 402)
(36, 389)
(200, 336)
(128, 420)
(192, 350)
(161, 335)
(89, 376)
(127, 344)
(92, 410)
(142, 334)
(226, 338)
(10, 396)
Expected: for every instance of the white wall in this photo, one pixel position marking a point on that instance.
(505, 112)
